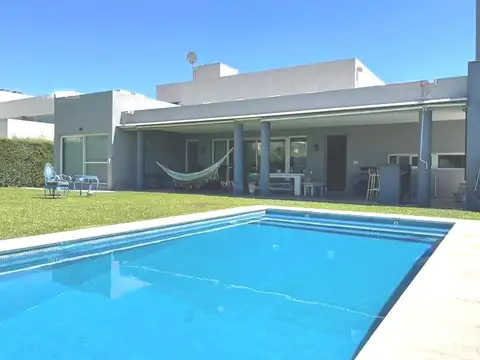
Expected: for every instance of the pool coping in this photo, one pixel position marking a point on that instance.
(442, 304)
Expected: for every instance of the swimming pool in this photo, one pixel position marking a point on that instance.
(269, 284)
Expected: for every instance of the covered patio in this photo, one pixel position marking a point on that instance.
(330, 149)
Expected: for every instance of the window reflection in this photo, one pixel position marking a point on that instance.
(298, 155)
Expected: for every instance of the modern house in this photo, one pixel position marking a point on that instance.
(28, 116)
(329, 120)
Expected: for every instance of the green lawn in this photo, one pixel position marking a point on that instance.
(25, 212)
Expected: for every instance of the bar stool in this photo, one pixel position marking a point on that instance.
(373, 186)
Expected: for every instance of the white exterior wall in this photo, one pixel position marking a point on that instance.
(124, 101)
(334, 75)
(447, 88)
(365, 77)
(14, 128)
(8, 96)
(129, 101)
(33, 106)
(212, 71)
(3, 127)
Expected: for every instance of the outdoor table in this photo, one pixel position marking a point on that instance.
(92, 181)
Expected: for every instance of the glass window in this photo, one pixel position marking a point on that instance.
(298, 155)
(251, 156)
(451, 161)
(230, 157)
(96, 148)
(72, 156)
(392, 159)
(99, 170)
(404, 160)
(414, 160)
(219, 150)
(277, 156)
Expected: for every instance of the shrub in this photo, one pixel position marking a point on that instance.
(22, 161)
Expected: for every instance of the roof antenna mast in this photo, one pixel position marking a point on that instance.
(192, 60)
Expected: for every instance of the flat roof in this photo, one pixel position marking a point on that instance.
(384, 98)
(316, 113)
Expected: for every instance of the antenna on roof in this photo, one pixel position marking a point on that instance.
(192, 60)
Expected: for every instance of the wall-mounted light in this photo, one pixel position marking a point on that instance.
(316, 147)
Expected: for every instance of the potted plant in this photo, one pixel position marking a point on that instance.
(252, 179)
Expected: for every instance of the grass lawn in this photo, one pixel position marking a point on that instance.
(25, 212)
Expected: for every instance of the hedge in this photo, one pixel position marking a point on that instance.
(22, 161)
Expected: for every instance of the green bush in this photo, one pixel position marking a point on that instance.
(22, 161)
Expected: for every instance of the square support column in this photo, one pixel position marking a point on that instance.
(424, 174)
(265, 158)
(472, 129)
(238, 188)
(140, 160)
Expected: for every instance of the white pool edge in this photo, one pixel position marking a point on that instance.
(422, 307)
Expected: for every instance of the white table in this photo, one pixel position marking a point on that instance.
(309, 187)
(297, 181)
(92, 181)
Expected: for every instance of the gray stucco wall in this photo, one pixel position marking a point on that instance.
(168, 149)
(100, 113)
(123, 160)
(3, 127)
(82, 115)
(367, 145)
(370, 145)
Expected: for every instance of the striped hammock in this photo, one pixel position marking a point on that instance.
(209, 173)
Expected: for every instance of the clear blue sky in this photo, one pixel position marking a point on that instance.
(93, 45)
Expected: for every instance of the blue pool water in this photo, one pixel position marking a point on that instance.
(275, 285)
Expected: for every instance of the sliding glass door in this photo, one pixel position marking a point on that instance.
(85, 155)
(251, 156)
(277, 155)
(286, 155)
(298, 155)
(219, 150)
(72, 155)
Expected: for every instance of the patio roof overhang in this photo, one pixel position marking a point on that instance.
(444, 109)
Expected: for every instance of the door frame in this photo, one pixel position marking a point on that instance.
(84, 155)
(186, 151)
(287, 140)
(325, 170)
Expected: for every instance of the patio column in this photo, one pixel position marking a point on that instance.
(424, 175)
(238, 159)
(140, 159)
(477, 32)
(264, 158)
(472, 129)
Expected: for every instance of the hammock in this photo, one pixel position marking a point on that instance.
(209, 173)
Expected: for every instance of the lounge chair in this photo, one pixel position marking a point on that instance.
(55, 182)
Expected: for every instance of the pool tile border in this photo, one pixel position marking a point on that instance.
(436, 318)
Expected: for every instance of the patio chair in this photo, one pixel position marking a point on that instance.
(55, 182)
(373, 186)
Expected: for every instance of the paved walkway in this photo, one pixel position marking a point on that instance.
(438, 316)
